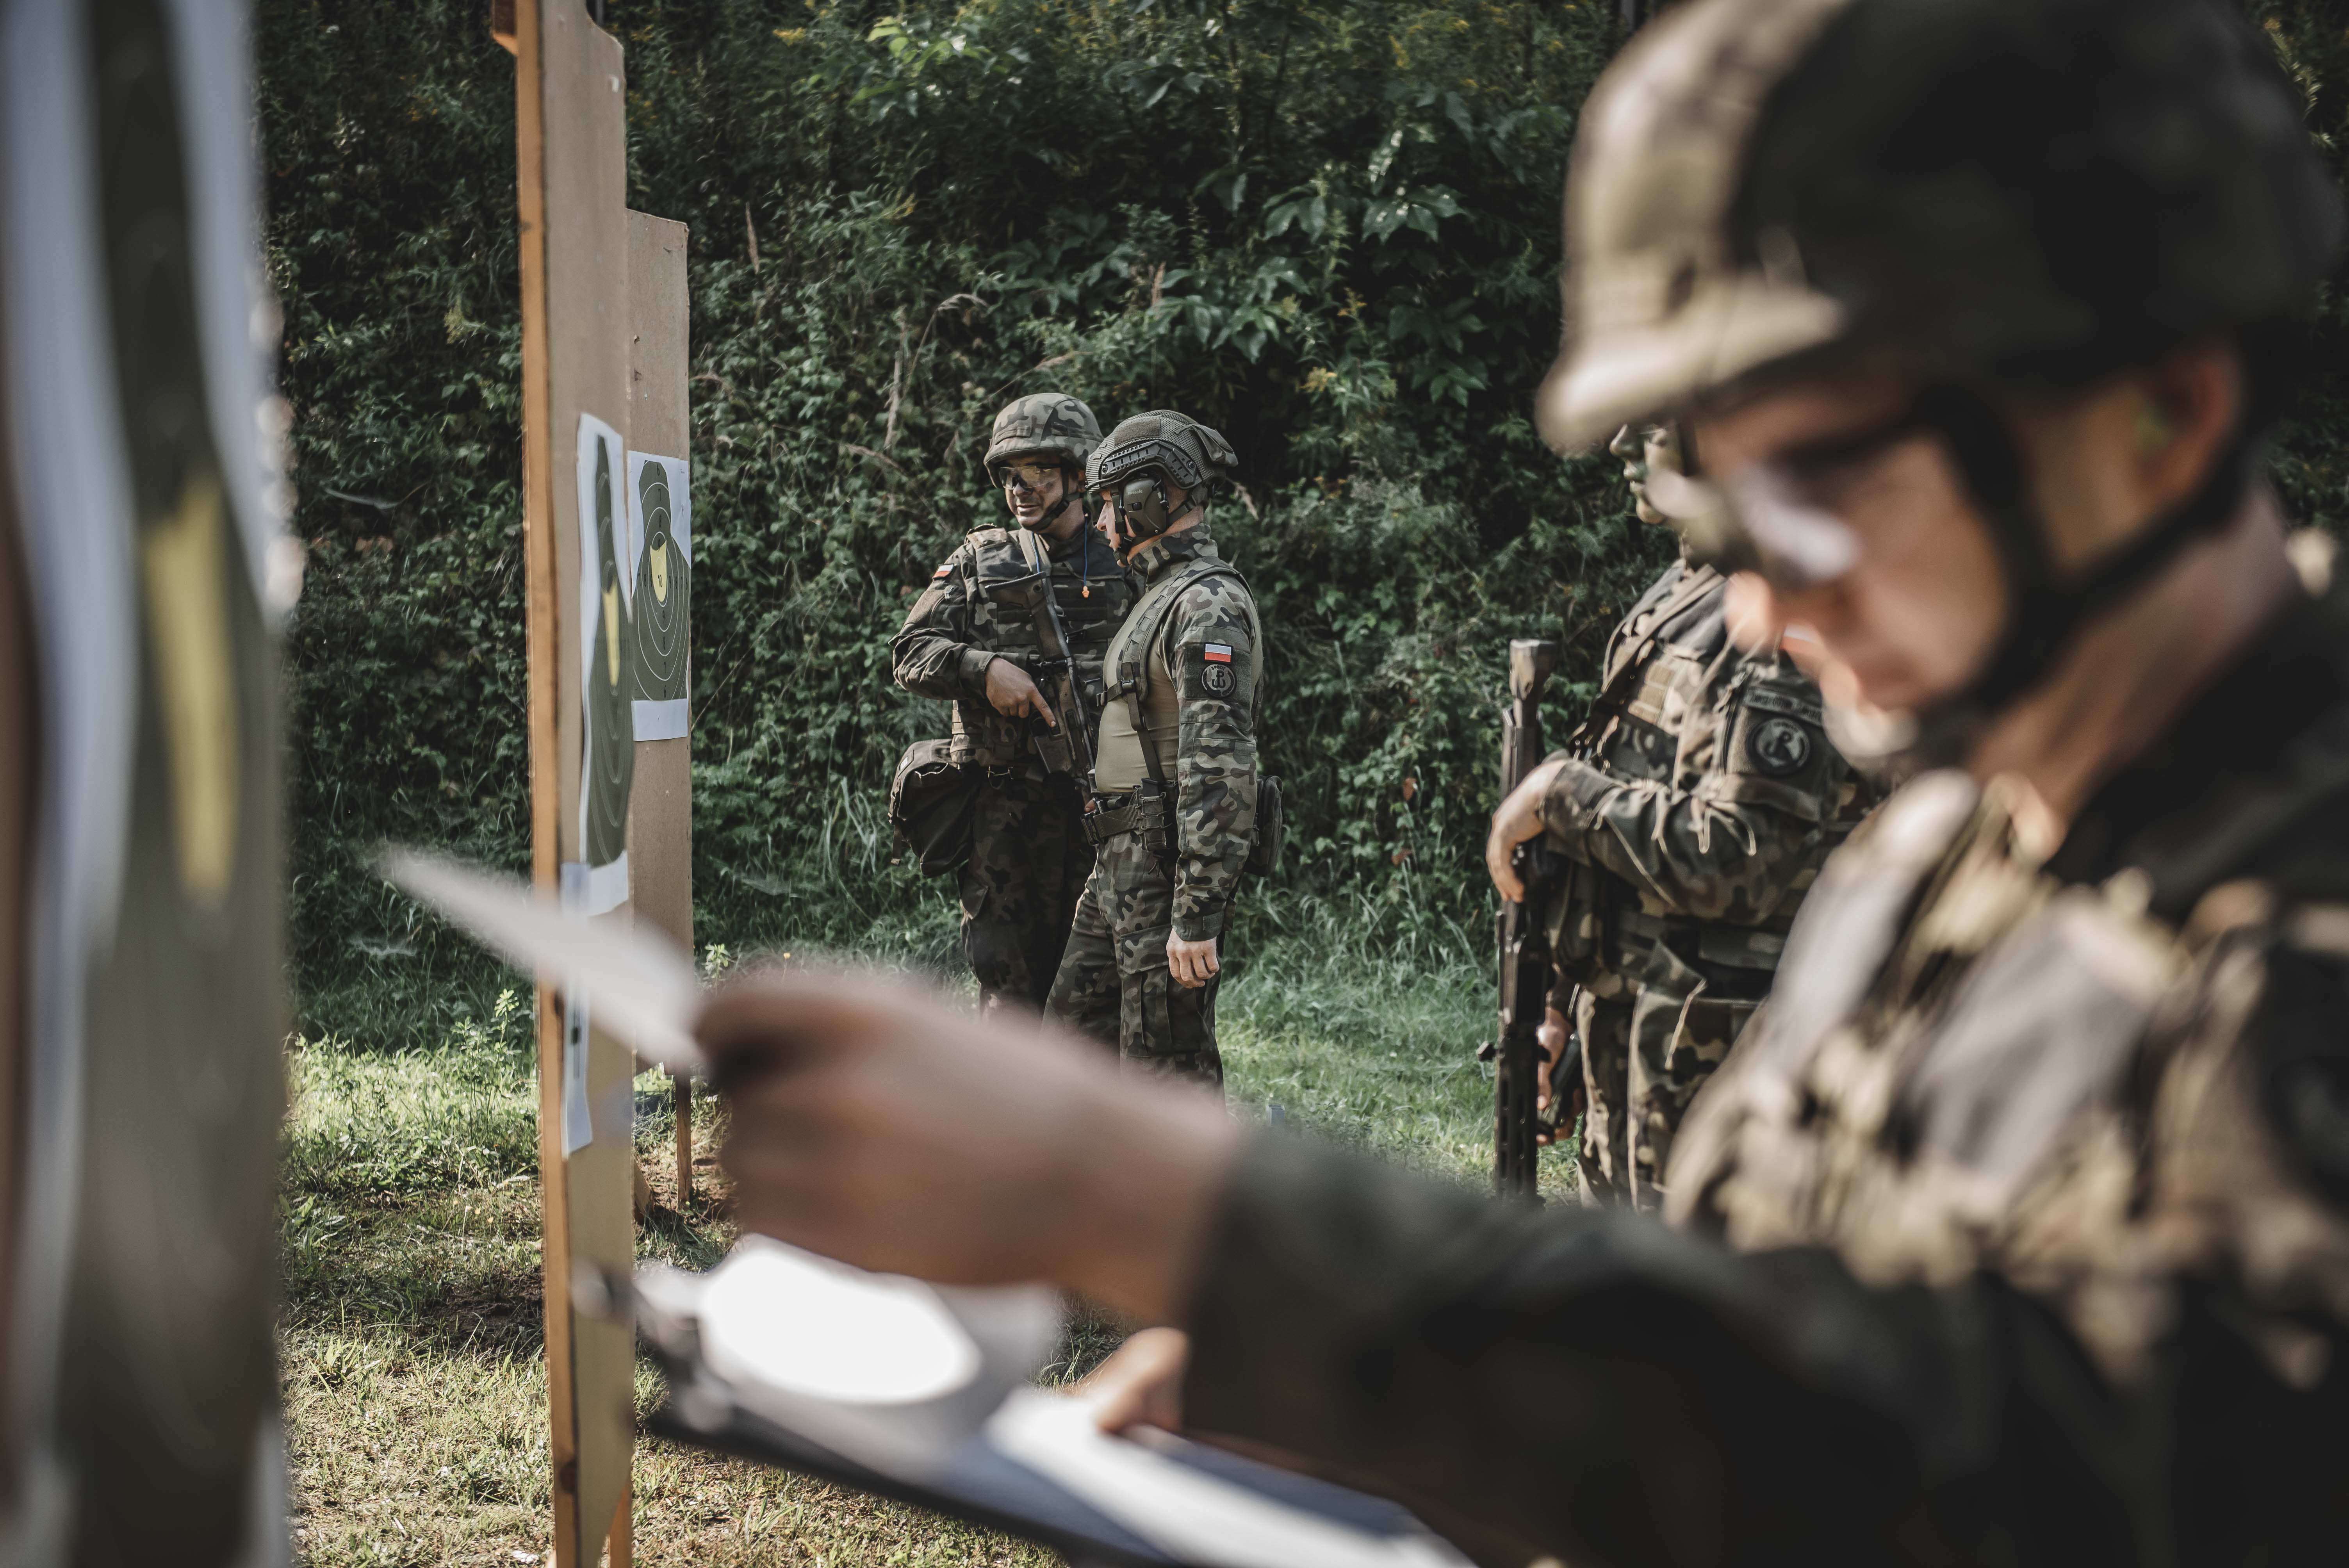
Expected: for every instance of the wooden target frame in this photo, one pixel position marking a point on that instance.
(605, 314)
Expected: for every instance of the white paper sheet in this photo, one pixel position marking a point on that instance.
(641, 984)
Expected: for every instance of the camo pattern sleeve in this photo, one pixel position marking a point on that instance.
(1715, 793)
(932, 654)
(1212, 650)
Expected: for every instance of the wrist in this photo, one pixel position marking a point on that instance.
(1148, 1174)
(1571, 795)
(975, 662)
(1202, 925)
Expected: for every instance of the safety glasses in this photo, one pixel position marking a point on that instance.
(1025, 476)
(1781, 517)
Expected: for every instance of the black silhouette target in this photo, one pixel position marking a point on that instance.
(611, 728)
(663, 592)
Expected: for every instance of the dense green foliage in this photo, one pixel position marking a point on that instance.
(1328, 226)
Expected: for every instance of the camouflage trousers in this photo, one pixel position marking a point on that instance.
(1028, 861)
(1647, 1049)
(1114, 985)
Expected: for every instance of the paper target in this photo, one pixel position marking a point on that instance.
(660, 549)
(608, 758)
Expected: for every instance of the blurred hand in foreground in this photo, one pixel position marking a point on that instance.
(887, 1128)
(1141, 1384)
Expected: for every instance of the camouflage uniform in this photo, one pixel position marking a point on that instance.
(1697, 803)
(1202, 677)
(1028, 856)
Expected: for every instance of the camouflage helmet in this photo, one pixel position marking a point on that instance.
(2028, 192)
(1042, 425)
(1162, 442)
(1976, 196)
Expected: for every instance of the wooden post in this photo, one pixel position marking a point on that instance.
(571, 145)
(661, 806)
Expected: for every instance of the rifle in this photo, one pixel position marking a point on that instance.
(1069, 747)
(1527, 967)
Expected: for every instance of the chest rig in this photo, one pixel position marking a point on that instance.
(1094, 593)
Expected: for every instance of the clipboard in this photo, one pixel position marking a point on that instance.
(1035, 1466)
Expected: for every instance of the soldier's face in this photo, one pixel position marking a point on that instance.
(1031, 490)
(1877, 545)
(1644, 449)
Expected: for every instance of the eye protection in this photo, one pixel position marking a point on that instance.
(1025, 476)
(1779, 518)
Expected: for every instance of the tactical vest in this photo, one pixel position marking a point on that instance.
(1001, 623)
(1665, 714)
(1142, 675)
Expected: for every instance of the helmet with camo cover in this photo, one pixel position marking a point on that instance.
(2024, 192)
(1979, 197)
(1051, 425)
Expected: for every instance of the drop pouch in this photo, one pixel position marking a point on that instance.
(931, 801)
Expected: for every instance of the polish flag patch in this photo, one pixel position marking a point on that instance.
(1217, 654)
(942, 572)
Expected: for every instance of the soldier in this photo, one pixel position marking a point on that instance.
(2016, 1229)
(1695, 804)
(965, 640)
(1176, 762)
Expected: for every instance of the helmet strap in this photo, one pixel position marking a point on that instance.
(2048, 612)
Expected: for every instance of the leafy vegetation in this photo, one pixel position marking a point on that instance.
(1330, 228)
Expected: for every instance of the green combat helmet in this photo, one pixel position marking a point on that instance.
(1146, 453)
(1984, 197)
(1042, 425)
(1051, 425)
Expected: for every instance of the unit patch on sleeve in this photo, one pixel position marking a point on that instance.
(1779, 746)
(1215, 669)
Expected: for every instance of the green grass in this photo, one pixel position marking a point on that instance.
(413, 1358)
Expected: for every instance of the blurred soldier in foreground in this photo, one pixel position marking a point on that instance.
(2017, 1228)
(1176, 762)
(1695, 806)
(969, 640)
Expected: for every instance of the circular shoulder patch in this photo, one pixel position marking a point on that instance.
(1217, 679)
(1779, 746)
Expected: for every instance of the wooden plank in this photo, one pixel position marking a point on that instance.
(660, 808)
(571, 141)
